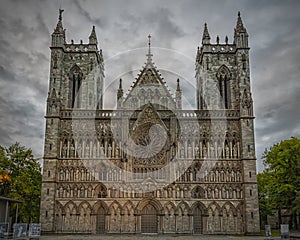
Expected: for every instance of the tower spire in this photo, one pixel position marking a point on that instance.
(149, 55)
(205, 37)
(58, 36)
(93, 37)
(240, 33)
(239, 24)
(59, 27)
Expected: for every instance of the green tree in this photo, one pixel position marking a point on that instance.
(264, 204)
(279, 184)
(21, 179)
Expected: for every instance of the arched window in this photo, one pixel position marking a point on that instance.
(223, 76)
(75, 84)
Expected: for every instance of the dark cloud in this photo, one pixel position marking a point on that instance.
(122, 28)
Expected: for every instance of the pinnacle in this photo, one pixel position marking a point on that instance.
(149, 55)
(59, 27)
(205, 37)
(239, 24)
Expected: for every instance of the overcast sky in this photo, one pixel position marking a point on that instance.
(122, 27)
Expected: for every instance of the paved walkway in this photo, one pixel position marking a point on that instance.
(150, 237)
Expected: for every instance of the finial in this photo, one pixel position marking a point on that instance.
(149, 55)
(149, 43)
(239, 24)
(178, 89)
(226, 39)
(60, 13)
(205, 37)
(218, 39)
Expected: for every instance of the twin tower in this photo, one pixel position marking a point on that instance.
(149, 166)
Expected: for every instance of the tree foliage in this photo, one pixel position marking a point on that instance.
(279, 183)
(20, 179)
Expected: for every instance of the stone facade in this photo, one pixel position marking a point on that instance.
(149, 166)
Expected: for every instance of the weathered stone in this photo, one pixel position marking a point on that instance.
(149, 166)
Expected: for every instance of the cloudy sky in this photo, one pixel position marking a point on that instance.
(122, 27)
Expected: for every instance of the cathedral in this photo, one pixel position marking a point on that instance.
(149, 166)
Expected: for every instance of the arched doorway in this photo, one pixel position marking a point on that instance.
(149, 223)
(198, 229)
(100, 226)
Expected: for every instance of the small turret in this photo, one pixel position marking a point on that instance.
(205, 37)
(240, 34)
(93, 37)
(58, 36)
(178, 95)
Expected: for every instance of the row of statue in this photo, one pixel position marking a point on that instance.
(118, 175)
(210, 192)
(109, 149)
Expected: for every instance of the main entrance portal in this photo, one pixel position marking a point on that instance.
(100, 227)
(149, 219)
(197, 221)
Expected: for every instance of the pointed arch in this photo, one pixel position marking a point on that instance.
(128, 223)
(170, 208)
(227, 207)
(59, 212)
(156, 204)
(71, 207)
(224, 71)
(84, 217)
(84, 205)
(115, 210)
(198, 192)
(100, 191)
(115, 207)
(75, 76)
(128, 208)
(201, 206)
(70, 220)
(229, 217)
(169, 218)
(214, 217)
(98, 205)
(223, 76)
(215, 207)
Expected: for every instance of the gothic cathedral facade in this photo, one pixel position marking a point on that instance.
(150, 166)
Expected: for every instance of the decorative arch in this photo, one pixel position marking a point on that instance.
(84, 217)
(214, 217)
(115, 219)
(170, 213)
(227, 207)
(71, 207)
(70, 220)
(229, 217)
(59, 212)
(170, 208)
(198, 192)
(128, 217)
(183, 217)
(115, 207)
(100, 191)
